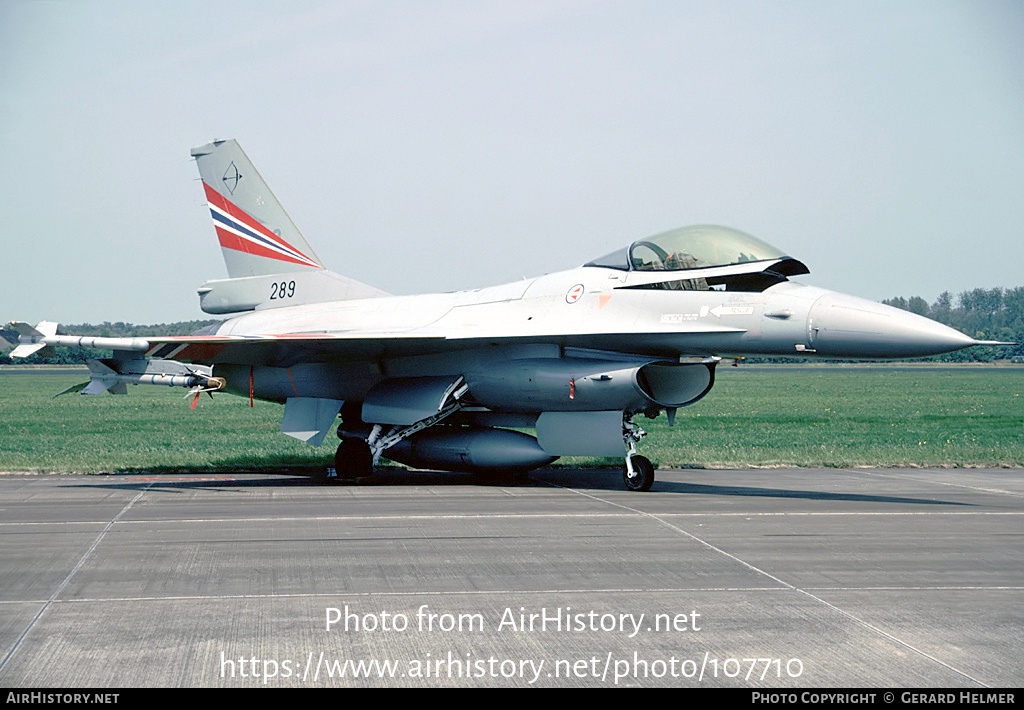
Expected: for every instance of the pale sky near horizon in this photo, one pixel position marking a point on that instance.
(438, 145)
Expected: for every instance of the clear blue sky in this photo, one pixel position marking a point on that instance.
(432, 146)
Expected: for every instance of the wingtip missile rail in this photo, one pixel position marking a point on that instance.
(31, 340)
(114, 374)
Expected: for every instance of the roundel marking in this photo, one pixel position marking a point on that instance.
(574, 294)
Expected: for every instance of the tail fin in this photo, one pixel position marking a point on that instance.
(270, 264)
(256, 234)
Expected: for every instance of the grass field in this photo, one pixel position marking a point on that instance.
(756, 416)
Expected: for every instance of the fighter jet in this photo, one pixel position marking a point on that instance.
(448, 381)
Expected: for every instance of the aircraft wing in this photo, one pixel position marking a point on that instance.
(284, 350)
(287, 349)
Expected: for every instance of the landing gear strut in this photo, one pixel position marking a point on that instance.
(638, 471)
(356, 456)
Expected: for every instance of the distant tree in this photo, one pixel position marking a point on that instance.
(918, 305)
(943, 307)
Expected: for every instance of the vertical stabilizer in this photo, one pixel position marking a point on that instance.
(256, 235)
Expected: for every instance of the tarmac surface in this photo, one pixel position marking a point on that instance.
(771, 578)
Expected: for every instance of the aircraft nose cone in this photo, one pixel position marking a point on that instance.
(847, 326)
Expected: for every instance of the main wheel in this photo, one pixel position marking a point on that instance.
(353, 459)
(643, 474)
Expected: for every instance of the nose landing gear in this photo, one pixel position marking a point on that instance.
(637, 471)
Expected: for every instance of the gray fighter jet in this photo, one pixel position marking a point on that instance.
(446, 381)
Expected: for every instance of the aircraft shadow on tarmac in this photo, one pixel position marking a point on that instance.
(215, 478)
(587, 479)
(747, 491)
(613, 482)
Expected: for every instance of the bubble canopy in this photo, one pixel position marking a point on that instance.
(697, 247)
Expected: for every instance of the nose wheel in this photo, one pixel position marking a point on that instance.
(638, 473)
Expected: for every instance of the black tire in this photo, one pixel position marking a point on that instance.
(353, 459)
(643, 474)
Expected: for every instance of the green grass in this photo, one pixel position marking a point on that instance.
(760, 417)
(152, 428)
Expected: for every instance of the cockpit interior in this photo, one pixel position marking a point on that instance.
(702, 249)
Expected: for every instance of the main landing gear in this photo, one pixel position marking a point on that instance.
(353, 459)
(356, 456)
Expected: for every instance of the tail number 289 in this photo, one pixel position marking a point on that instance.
(284, 289)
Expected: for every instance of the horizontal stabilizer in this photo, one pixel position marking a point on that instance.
(279, 290)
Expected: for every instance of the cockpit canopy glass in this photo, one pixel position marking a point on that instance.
(697, 247)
